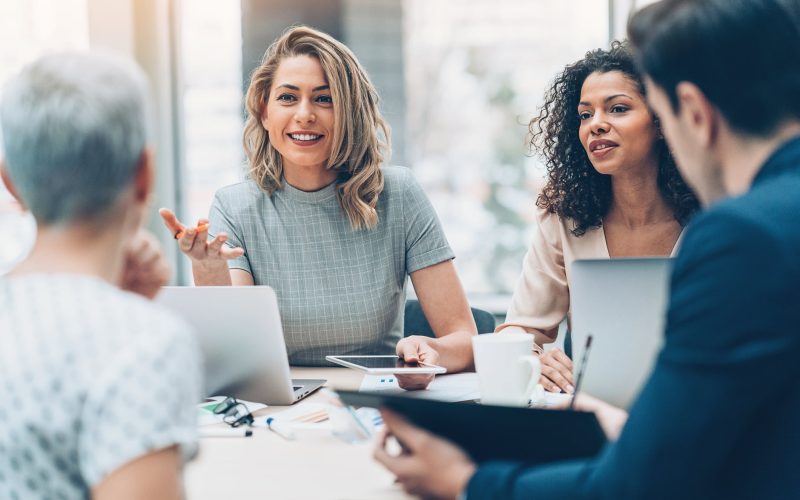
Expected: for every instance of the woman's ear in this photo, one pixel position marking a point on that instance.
(657, 125)
(262, 111)
(5, 178)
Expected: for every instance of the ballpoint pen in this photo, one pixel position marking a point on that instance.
(579, 378)
(280, 428)
(228, 432)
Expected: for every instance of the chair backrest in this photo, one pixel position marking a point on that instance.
(416, 323)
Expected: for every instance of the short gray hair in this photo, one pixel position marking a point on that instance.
(74, 129)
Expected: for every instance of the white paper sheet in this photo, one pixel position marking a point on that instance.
(455, 387)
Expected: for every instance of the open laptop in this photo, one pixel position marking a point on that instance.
(240, 333)
(622, 304)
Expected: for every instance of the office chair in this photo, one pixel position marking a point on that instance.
(416, 324)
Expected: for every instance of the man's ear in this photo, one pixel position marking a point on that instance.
(697, 113)
(5, 178)
(144, 177)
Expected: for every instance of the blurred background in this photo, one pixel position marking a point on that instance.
(459, 82)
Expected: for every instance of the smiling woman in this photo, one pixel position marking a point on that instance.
(325, 223)
(299, 120)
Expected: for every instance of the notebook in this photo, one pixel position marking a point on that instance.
(488, 432)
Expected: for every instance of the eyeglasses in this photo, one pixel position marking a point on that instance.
(234, 412)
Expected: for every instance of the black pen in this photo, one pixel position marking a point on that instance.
(581, 372)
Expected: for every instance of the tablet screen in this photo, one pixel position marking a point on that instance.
(379, 361)
(384, 365)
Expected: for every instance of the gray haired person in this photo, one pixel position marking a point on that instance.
(118, 376)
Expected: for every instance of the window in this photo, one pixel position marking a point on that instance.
(474, 78)
(211, 61)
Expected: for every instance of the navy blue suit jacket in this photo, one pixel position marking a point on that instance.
(719, 416)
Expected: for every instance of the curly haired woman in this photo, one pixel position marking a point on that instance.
(612, 191)
(325, 223)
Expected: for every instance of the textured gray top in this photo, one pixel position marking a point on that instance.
(91, 378)
(340, 291)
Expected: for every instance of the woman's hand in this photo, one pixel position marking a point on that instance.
(146, 270)
(193, 242)
(556, 371)
(416, 349)
(209, 258)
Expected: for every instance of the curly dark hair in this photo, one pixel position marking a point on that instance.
(574, 189)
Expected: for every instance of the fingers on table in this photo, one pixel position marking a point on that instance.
(553, 377)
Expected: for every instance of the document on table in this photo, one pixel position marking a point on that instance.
(451, 388)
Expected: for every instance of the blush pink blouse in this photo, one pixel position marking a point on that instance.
(541, 296)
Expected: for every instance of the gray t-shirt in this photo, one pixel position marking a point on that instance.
(91, 378)
(340, 291)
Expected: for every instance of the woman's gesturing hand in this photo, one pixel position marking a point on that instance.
(193, 241)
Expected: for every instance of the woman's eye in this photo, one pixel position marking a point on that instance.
(584, 116)
(285, 98)
(619, 109)
(325, 99)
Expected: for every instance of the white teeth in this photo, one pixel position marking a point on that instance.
(602, 146)
(304, 137)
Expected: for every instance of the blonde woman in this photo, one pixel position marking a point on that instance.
(324, 222)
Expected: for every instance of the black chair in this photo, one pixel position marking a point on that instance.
(416, 324)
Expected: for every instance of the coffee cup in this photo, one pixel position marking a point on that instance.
(508, 372)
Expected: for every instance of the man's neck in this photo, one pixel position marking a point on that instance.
(742, 158)
(76, 250)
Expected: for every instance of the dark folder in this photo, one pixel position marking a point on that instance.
(487, 432)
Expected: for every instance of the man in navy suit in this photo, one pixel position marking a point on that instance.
(719, 416)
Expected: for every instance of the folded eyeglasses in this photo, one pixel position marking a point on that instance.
(234, 412)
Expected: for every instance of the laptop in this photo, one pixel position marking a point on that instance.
(240, 333)
(622, 304)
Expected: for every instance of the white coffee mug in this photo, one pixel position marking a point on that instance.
(507, 371)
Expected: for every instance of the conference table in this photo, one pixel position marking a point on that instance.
(315, 465)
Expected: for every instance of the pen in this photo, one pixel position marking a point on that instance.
(280, 428)
(202, 227)
(179, 234)
(581, 371)
(229, 432)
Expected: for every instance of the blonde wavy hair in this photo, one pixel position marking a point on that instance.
(358, 149)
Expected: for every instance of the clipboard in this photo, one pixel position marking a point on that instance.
(486, 432)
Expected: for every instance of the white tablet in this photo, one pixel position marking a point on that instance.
(378, 365)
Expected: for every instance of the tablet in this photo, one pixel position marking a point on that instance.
(384, 365)
(487, 432)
